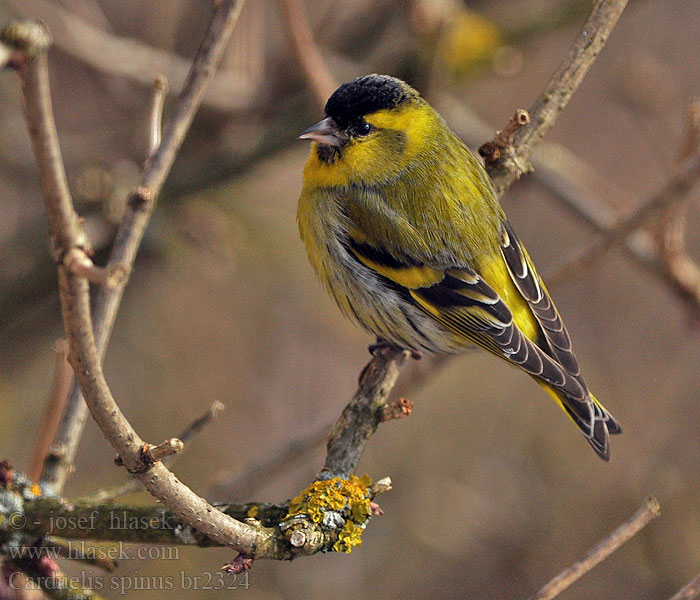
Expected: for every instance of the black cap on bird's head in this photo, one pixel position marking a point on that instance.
(365, 95)
(352, 101)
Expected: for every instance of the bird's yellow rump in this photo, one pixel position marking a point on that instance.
(402, 225)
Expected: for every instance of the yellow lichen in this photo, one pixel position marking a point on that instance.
(348, 538)
(348, 502)
(253, 511)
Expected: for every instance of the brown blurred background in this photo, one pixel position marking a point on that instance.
(495, 491)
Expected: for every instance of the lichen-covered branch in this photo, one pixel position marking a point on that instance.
(150, 524)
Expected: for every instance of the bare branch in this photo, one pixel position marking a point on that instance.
(251, 540)
(315, 68)
(361, 417)
(31, 41)
(689, 592)
(600, 552)
(130, 233)
(545, 111)
(132, 485)
(200, 423)
(5, 55)
(671, 226)
(258, 472)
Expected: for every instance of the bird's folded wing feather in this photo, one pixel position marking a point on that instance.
(465, 304)
(528, 282)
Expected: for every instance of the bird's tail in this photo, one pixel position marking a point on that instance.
(594, 421)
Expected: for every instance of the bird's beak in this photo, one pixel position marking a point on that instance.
(324, 132)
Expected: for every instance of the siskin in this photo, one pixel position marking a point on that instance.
(402, 225)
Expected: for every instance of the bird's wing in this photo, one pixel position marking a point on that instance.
(465, 304)
(525, 277)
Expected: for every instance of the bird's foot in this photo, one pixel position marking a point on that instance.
(381, 344)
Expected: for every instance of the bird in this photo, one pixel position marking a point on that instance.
(402, 225)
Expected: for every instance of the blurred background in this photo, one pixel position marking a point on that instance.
(494, 490)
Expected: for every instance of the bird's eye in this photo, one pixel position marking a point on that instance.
(362, 128)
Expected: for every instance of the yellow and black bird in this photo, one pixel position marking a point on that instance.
(402, 225)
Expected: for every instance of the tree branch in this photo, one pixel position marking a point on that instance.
(74, 290)
(55, 405)
(130, 233)
(127, 57)
(674, 191)
(315, 68)
(600, 552)
(547, 108)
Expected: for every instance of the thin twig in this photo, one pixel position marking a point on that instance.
(545, 111)
(201, 422)
(689, 591)
(55, 404)
(247, 483)
(133, 485)
(5, 55)
(315, 68)
(601, 551)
